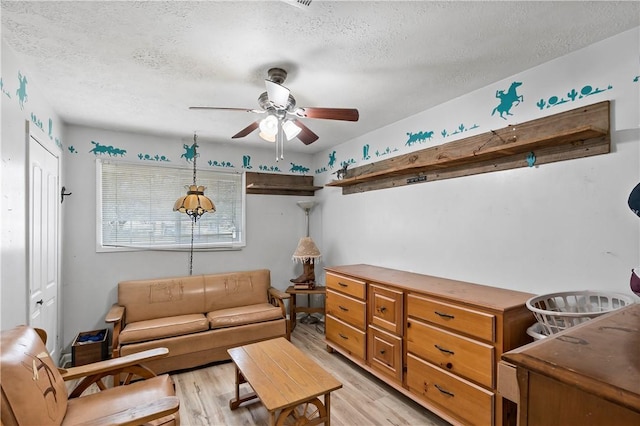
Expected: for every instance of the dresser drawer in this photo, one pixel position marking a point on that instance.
(346, 285)
(385, 353)
(457, 354)
(346, 308)
(346, 336)
(385, 308)
(474, 323)
(462, 399)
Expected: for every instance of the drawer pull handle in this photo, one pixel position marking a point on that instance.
(441, 349)
(382, 309)
(443, 315)
(343, 284)
(343, 336)
(444, 391)
(343, 308)
(382, 351)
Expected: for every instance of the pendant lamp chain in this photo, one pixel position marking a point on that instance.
(195, 203)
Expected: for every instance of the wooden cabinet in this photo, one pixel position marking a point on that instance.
(385, 308)
(346, 313)
(587, 375)
(435, 340)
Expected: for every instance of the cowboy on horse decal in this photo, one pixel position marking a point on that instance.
(508, 100)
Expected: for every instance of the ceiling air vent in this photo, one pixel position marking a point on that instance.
(298, 3)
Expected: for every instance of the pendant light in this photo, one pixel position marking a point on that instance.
(195, 203)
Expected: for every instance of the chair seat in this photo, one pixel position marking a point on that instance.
(120, 398)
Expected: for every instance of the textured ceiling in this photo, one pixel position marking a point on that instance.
(138, 66)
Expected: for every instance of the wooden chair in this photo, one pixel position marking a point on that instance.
(34, 391)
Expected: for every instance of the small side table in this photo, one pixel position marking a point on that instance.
(293, 309)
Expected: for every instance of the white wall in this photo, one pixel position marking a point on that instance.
(554, 227)
(562, 226)
(274, 225)
(13, 203)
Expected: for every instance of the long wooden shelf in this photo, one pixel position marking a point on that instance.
(572, 134)
(276, 184)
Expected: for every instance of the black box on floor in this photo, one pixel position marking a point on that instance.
(89, 346)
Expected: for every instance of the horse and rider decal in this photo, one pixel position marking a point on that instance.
(508, 99)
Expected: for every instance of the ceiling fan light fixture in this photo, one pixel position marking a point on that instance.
(269, 126)
(290, 129)
(267, 137)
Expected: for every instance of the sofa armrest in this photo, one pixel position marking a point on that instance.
(115, 316)
(131, 365)
(277, 297)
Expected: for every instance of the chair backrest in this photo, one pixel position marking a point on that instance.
(33, 391)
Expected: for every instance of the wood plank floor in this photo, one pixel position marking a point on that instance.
(363, 400)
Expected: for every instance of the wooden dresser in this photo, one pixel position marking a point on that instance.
(437, 341)
(587, 375)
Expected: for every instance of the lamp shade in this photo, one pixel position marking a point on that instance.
(195, 203)
(307, 251)
(290, 129)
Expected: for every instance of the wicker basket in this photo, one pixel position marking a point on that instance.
(559, 311)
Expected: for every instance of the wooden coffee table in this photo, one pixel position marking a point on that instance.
(285, 380)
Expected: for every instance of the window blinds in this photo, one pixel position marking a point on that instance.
(135, 207)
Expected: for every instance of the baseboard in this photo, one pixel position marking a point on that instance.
(65, 360)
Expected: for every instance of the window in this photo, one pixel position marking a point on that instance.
(135, 208)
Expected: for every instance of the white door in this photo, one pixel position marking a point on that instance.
(44, 202)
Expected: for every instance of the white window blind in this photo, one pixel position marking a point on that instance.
(135, 207)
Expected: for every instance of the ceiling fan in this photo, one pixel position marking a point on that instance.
(283, 116)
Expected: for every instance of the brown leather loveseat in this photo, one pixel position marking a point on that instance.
(196, 317)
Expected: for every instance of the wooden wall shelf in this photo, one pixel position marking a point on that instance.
(277, 184)
(577, 133)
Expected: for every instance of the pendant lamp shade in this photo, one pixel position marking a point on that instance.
(195, 203)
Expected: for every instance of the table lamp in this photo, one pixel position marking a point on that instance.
(307, 252)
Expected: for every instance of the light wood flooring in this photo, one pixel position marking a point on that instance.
(363, 400)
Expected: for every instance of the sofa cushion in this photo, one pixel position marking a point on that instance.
(233, 289)
(161, 297)
(243, 315)
(142, 331)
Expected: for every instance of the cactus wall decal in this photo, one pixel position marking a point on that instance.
(216, 163)
(571, 96)
(266, 168)
(149, 157)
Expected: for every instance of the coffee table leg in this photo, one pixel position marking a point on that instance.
(235, 403)
(292, 311)
(327, 406)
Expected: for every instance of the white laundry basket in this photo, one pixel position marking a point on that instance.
(559, 311)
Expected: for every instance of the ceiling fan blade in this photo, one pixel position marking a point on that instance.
(306, 135)
(244, 132)
(278, 94)
(227, 109)
(346, 114)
